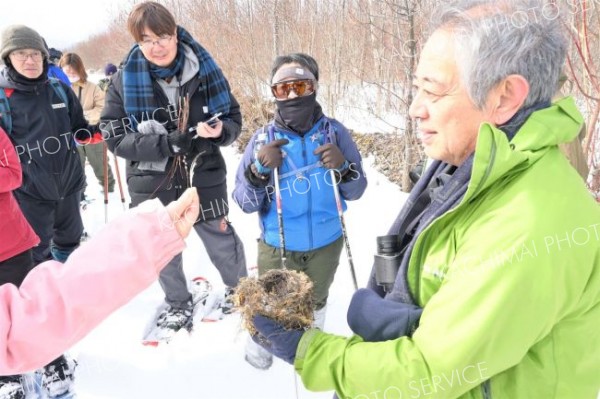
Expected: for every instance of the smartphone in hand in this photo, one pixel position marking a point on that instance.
(212, 122)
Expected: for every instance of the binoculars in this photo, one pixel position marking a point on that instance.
(387, 261)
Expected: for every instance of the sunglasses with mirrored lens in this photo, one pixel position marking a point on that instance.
(300, 87)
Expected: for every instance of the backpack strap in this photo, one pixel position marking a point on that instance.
(60, 91)
(271, 132)
(330, 133)
(331, 137)
(5, 115)
(5, 93)
(294, 170)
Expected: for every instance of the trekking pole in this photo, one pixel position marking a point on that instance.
(119, 181)
(340, 210)
(105, 167)
(280, 219)
(261, 140)
(338, 202)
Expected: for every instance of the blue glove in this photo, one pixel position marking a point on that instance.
(376, 319)
(276, 339)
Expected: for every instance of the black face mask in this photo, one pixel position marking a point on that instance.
(298, 114)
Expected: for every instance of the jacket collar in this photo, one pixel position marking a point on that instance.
(9, 78)
(497, 158)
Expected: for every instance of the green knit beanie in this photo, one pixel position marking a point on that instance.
(17, 37)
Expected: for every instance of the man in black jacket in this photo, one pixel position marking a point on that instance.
(168, 76)
(44, 117)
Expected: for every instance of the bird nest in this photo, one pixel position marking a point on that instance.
(282, 295)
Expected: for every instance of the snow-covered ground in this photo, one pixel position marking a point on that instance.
(363, 108)
(209, 363)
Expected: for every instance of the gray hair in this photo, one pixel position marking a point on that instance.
(498, 38)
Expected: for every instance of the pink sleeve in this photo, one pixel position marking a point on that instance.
(58, 304)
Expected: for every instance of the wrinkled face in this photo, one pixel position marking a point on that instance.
(71, 73)
(28, 62)
(159, 50)
(448, 120)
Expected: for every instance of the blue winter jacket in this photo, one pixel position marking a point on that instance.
(310, 216)
(56, 72)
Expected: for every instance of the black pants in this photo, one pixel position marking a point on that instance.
(13, 270)
(57, 223)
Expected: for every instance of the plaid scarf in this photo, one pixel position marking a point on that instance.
(158, 72)
(138, 74)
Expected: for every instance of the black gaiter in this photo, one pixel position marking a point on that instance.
(298, 114)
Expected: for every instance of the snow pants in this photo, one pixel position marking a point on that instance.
(57, 223)
(13, 270)
(95, 155)
(226, 252)
(319, 265)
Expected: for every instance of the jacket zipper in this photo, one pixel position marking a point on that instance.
(483, 179)
(486, 389)
(59, 178)
(310, 234)
(488, 170)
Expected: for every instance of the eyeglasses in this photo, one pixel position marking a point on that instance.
(21, 55)
(161, 41)
(282, 90)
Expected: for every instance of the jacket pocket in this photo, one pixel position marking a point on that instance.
(38, 182)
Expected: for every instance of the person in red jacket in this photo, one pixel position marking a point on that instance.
(16, 235)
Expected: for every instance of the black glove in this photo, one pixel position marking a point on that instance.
(179, 142)
(331, 156)
(89, 135)
(270, 156)
(255, 178)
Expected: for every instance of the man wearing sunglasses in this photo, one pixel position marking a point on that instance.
(305, 146)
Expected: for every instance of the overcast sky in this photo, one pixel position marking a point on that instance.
(61, 22)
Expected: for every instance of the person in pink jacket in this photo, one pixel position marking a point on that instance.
(58, 304)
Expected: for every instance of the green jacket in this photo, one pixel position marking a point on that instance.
(509, 281)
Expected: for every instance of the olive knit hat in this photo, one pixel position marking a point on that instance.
(17, 37)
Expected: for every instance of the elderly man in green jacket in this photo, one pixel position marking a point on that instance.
(504, 256)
